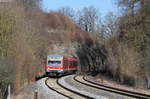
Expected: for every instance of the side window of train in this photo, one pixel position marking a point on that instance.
(65, 62)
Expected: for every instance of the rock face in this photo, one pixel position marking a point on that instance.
(92, 57)
(63, 49)
(67, 39)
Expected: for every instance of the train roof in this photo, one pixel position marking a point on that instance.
(54, 55)
(58, 55)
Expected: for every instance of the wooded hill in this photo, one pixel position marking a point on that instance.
(118, 48)
(27, 36)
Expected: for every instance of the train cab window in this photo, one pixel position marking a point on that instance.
(54, 62)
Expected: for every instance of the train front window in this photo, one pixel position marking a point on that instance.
(54, 63)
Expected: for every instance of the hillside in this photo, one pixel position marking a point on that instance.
(28, 36)
(117, 48)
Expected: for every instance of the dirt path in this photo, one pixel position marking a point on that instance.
(43, 92)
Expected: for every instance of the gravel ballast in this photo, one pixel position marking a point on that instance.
(43, 92)
(89, 91)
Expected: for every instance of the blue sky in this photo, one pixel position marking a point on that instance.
(104, 6)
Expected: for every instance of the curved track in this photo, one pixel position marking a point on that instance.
(54, 85)
(90, 92)
(79, 87)
(97, 85)
(56, 90)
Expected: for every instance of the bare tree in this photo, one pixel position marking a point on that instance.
(110, 25)
(87, 19)
(68, 12)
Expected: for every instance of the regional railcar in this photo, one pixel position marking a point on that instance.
(58, 65)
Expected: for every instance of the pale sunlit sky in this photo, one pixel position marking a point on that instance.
(104, 6)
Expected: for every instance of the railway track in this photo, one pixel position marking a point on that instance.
(77, 87)
(51, 86)
(91, 83)
(54, 85)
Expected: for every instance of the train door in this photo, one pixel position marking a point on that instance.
(69, 64)
(65, 64)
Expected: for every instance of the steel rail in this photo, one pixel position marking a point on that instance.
(121, 91)
(73, 91)
(56, 90)
(112, 89)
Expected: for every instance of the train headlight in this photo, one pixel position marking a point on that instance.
(60, 70)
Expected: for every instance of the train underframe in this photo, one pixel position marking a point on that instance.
(59, 72)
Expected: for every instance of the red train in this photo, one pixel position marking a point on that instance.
(59, 65)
